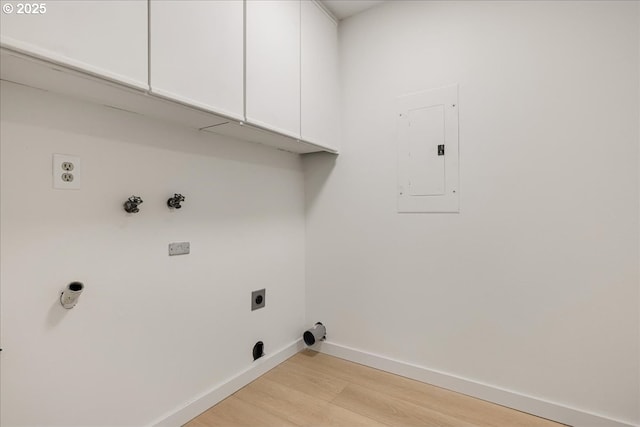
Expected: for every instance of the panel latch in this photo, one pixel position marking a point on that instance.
(441, 150)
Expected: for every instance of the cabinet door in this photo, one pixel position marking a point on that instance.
(320, 117)
(104, 37)
(197, 53)
(273, 65)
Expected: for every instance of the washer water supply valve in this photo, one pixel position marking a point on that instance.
(131, 205)
(175, 201)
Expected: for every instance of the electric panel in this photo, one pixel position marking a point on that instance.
(428, 151)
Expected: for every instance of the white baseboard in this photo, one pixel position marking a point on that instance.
(223, 390)
(508, 398)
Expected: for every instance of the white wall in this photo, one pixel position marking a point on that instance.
(150, 332)
(533, 286)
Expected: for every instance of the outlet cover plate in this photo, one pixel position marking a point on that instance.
(179, 248)
(66, 172)
(258, 299)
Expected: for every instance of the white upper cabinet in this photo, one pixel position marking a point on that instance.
(103, 37)
(259, 70)
(196, 53)
(320, 116)
(273, 65)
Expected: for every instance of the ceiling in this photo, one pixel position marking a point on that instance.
(344, 8)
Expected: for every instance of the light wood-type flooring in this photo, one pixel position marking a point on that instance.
(313, 389)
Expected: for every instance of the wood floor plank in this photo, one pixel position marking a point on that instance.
(196, 422)
(306, 380)
(298, 408)
(392, 411)
(312, 390)
(452, 404)
(235, 412)
(336, 416)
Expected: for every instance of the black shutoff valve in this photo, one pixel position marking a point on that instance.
(131, 205)
(175, 201)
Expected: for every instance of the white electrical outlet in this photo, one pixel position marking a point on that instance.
(66, 172)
